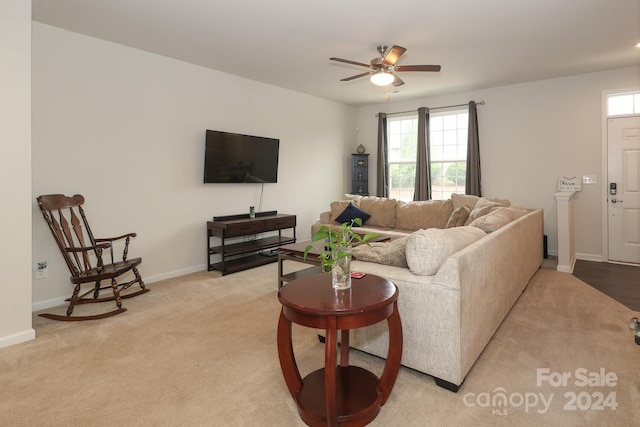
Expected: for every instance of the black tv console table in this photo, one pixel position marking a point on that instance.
(244, 250)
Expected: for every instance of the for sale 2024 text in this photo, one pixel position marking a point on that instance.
(583, 378)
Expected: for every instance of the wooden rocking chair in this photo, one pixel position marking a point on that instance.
(81, 250)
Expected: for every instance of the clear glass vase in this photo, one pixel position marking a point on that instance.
(341, 270)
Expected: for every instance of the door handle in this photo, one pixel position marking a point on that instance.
(614, 200)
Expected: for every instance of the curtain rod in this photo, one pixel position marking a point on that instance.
(434, 108)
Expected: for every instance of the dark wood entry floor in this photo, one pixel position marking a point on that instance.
(620, 282)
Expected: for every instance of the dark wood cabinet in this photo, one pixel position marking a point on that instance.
(240, 244)
(360, 174)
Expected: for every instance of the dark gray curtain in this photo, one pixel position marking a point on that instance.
(472, 185)
(382, 177)
(422, 189)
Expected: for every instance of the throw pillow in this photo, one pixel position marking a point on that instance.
(482, 207)
(386, 253)
(458, 217)
(467, 200)
(497, 218)
(351, 212)
(502, 202)
(338, 207)
(428, 249)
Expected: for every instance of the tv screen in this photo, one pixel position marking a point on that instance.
(236, 158)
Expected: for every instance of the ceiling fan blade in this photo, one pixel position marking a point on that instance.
(418, 68)
(346, 61)
(397, 81)
(356, 76)
(393, 55)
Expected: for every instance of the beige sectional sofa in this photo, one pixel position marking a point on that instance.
(459, 265)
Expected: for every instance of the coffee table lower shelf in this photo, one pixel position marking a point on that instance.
(357, 396)
(300, 273)
(295, 252)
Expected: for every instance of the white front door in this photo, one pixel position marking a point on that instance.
(624, 180)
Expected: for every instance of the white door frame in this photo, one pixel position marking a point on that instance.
(605, 168)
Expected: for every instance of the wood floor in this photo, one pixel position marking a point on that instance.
(620, 282)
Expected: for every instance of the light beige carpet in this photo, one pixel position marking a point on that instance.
(201, 351)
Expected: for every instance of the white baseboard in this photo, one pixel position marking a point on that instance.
(589, 257)
(53, 302)
(581, 256)
(175, 273)
(23, 336)
(578, 256)
(567, 268)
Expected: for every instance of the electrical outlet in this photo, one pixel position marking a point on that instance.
(41, 269)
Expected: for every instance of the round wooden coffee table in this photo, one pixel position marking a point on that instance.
(339, 395)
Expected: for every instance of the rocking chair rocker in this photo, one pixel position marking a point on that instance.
(80, 249)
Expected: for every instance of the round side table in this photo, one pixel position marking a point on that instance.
(339, 394)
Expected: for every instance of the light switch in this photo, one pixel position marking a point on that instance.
(589, 179)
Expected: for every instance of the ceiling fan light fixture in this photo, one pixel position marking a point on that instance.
(382, 70)
(382, 78)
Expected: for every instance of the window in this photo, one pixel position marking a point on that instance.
(623, 103)
(448, 153)
(403, 143)
(448, 138)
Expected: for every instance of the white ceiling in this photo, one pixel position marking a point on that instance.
(287, 43)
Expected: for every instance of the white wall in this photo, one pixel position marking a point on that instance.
(15, 172)
(126, 129)
(531, 134)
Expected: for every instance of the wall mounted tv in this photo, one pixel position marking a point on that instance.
(236, 158)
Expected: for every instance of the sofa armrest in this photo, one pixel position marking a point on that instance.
(490, 275)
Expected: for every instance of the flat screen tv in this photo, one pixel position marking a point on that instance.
(237, 158)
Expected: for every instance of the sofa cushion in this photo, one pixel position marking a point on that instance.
(386, 253)
(498, 217)
(423, 214)
(428, 249)
(458, 217)
(350, 213)
(382, 210)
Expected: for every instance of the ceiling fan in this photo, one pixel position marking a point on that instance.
(382, 69)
